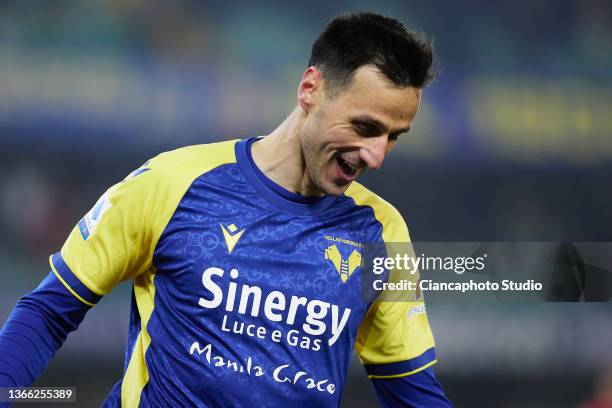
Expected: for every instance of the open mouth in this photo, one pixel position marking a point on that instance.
(348, 170)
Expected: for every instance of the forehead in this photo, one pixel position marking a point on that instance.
(370, 92)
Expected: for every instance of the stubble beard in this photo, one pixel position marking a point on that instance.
(312, 167)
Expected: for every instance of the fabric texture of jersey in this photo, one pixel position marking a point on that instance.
(245, 294)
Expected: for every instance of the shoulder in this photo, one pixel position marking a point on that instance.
(194, 159)
(162, 181)
(177, 169)
(393, 224)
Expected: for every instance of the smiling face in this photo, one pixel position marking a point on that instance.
(355, 129)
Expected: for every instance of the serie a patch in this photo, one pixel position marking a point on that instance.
(88, 224)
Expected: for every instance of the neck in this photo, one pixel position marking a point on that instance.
(279, 156)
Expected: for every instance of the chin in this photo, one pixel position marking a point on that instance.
(330, 185)
(334, 189)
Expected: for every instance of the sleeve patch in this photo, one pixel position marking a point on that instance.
(137, 172)
(88, 224)
(417, 309)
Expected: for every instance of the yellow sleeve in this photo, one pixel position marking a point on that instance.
(116, 239)
(394, 339)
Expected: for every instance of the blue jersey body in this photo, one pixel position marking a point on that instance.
(245, 294)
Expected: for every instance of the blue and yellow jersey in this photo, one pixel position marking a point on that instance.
(244, 294)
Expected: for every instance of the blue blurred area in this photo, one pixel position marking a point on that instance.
(513, 142)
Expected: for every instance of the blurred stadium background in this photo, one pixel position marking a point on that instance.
(513, 142)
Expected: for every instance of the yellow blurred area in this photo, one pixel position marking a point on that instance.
(425, 138)
(530, 119)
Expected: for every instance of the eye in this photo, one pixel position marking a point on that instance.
(366, 129)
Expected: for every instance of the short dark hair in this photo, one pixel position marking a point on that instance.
(356, 39)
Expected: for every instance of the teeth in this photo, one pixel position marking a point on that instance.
(348, 168)
(349, 165)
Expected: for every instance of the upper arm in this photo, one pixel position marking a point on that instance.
(395, 338)
(395, 342)
(114, 241)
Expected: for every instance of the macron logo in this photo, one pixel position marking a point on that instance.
(231, 236)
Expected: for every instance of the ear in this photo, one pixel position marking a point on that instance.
(310, 89)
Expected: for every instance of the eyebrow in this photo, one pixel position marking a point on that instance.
(375, 122)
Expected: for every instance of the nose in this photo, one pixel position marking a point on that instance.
(374, 150)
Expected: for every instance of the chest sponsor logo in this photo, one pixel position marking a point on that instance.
(323, 320)
(320, 323)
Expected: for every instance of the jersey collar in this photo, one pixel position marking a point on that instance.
(274, 193)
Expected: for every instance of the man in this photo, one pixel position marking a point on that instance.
(245, 255)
